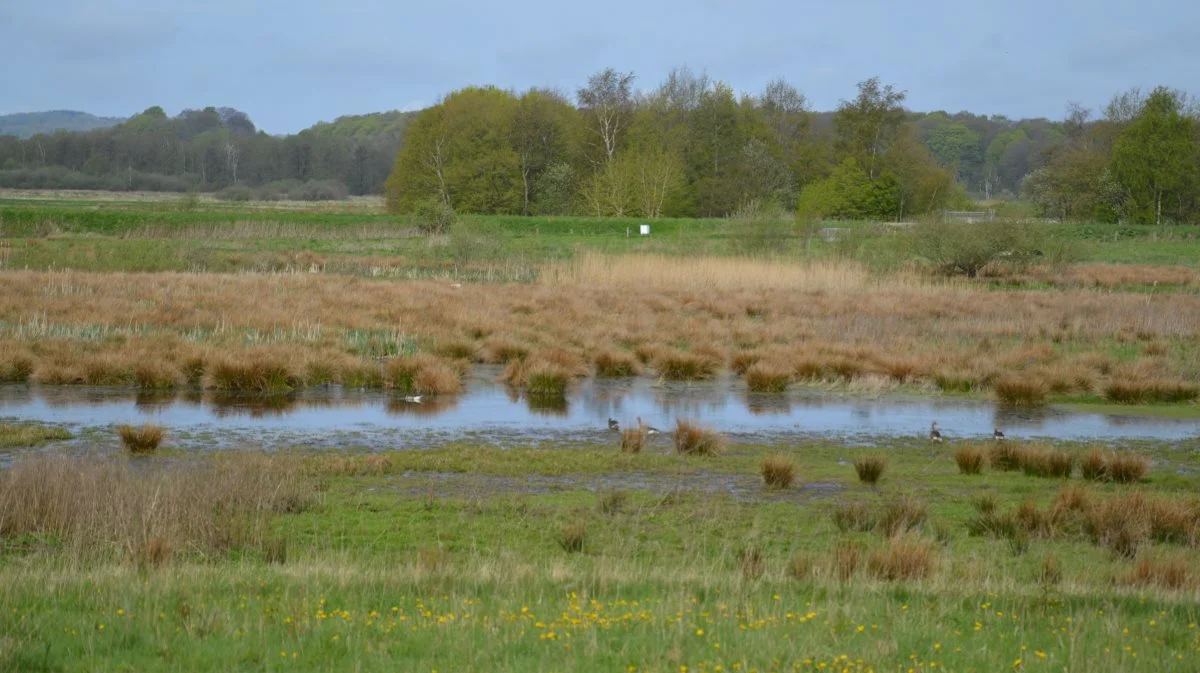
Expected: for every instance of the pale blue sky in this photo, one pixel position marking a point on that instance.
(290, 64)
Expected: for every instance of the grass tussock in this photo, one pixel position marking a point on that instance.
(572, 536)
(612, 364)
(678, 366)
(547, 379)
(1020, 391)
(1150, 391)
(1172, 574)
(16, 366)
(141, 440)
(765, 377)
(870, 469)
(753, 562)
(903, 558)
(1004, 456)
(696, 440)
(422, 375)
(970, 459)
(98, 508)
(254, 374)
(853, 516)
(847, 556)
(1121, 468)
(778, 472)
(900, 516)
(633, 440)
(1037, 461)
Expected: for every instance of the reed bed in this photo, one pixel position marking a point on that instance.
(830, 322)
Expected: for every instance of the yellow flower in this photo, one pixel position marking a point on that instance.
(1040, 654)
(699, 632)
(121, 612)
(1017, 663)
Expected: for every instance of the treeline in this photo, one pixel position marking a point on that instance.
(209, 150)
(1138, 162)
(691, 147)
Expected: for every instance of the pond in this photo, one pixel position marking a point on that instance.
(491, 411)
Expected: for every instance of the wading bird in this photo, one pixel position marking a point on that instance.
(997, 433)
(414, 399)
(614, 425)
(935, 435)
(648, 429)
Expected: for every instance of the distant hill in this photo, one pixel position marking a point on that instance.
(28, 124)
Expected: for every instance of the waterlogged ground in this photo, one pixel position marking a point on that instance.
(499, 415)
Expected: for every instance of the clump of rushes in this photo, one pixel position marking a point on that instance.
(676, 366)
(1094, 465)
(903, 558)
(870, 468)
(141, 440)
(778, 472)
(547, 380)
(1149, 391)
(969, 459)
(632, 440)
(694, 439)
(614, 365)
(249, 374)
(765, 377)
(853, 516)
(1127, 468)
(1122, 468)
(571, 536)
(1020, 392)
(900, 516)
(422, 375)
(1005, 456)
(1165, 573)
(846, 557)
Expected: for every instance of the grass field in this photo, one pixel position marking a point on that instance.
(640, 554)
(448, 559)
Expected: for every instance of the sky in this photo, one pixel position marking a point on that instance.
(291, 64)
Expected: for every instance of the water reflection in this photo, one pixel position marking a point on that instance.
(491, 408)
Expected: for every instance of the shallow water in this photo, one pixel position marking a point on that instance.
(491, 411)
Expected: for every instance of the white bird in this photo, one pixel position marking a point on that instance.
(935, 435)
(414, 399)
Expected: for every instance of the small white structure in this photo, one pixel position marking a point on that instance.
(645, 230)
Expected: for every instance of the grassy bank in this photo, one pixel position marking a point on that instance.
(436, 559)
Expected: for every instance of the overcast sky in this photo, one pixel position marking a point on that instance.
(290, 64)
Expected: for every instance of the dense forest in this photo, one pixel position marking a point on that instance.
(209, 150)
(689, 146)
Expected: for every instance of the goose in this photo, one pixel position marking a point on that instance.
(648, 429)
(414, 399)
(614, 425)
(934, 434)
(997, 434)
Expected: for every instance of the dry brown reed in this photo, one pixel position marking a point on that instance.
(969, 458)
(778, 471)
(632, 440)
(1171, 573)
(423, 375)
(677, 366)
(612, 364)
(753, 562)
(900, 516)
(97, 327)
(1151, 391)
(853, 516)
(141, 440)
(697, 440)
(572, 536)
(1021, 391)
(870, 468)
(249, 374)
(104, 508)
(903, 558)
(765, 377)
(846, 559)
(1005, 456)
(1094, 465)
